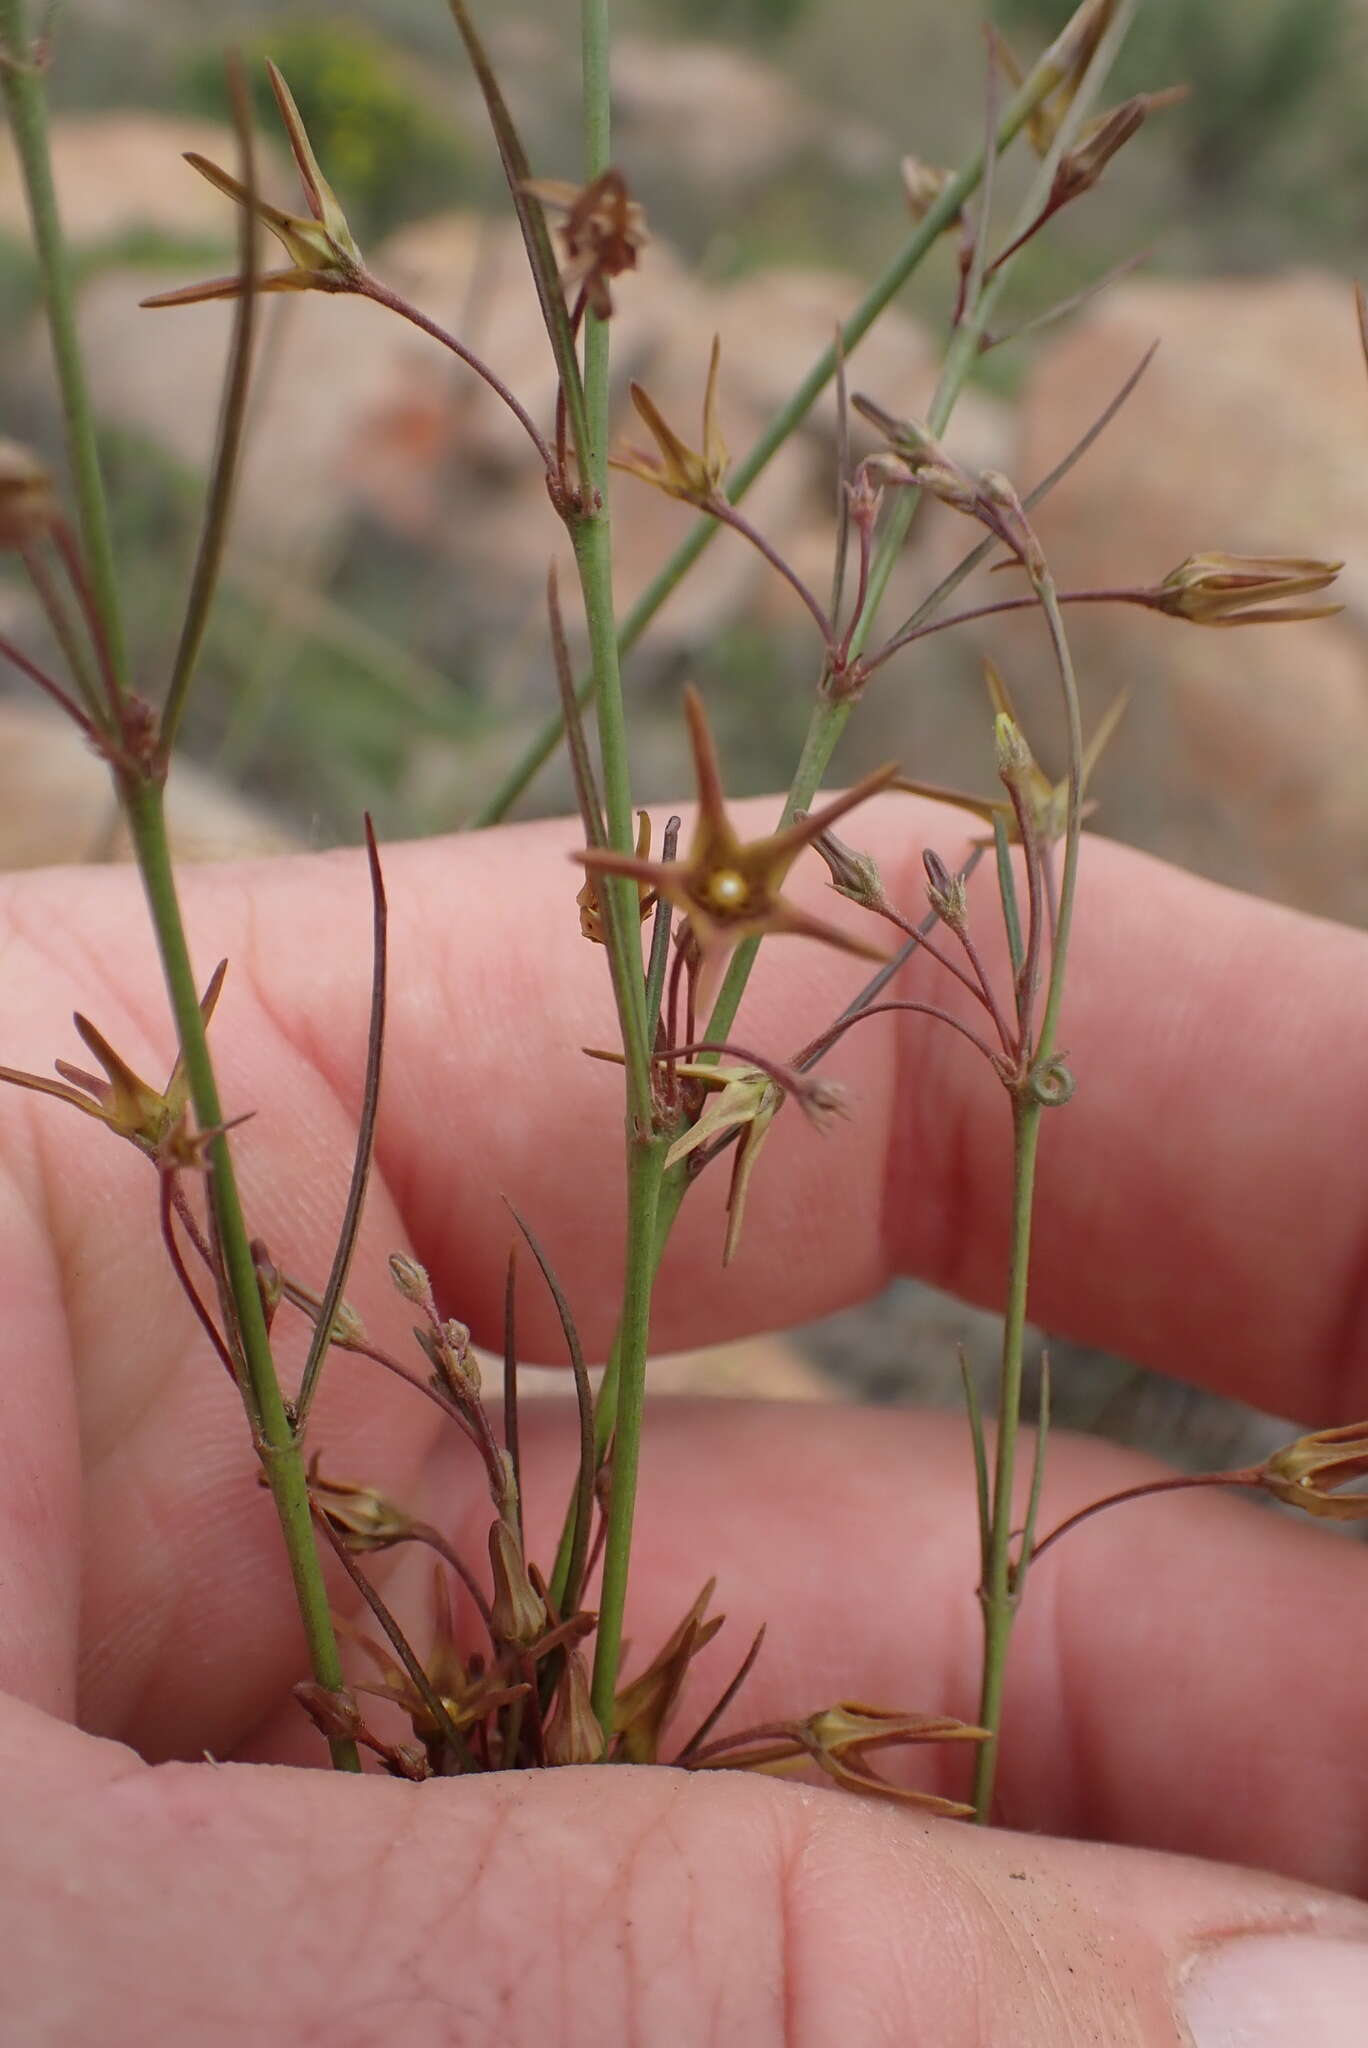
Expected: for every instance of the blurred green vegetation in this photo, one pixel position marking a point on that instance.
(348, 693)
(1271, 146)
(381, 145)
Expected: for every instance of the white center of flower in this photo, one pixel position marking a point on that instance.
(727, 890)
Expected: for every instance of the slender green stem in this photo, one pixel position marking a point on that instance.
(643, 1193)
(1000, 1591)
(592, 536)
(281, 1457)
(995, 1593)
(21, 81)
(142, 798)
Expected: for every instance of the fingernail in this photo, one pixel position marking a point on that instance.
(1272, 1990)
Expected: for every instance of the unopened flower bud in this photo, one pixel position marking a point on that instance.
(269, 1278)
(864, 496)
(453, 1362)
(360, 1515)
(348, 1330)
(410, 1278)
(1013, 755)
(853, 874)
(946, 893)
(573, 1733)
(1243, 590)
(517, 1611)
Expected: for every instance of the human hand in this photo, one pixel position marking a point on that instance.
(1184, 1676)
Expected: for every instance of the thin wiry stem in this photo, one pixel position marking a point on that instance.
(728, 515)
(204, 580)
(21, 82)
(63, 630)
(383, 295)
(365, 1140)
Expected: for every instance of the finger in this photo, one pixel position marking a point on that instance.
(637, 1906)
(1183, 1671)
(1198, 1205)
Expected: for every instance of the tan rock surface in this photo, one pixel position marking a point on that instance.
(1245, 753)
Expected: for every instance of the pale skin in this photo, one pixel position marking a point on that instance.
(1187, 1675)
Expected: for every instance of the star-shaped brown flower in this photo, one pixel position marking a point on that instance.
(729, 888)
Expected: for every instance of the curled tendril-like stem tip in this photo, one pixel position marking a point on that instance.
(1051, 1085)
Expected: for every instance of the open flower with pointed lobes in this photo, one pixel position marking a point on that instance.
(603, 231)
(729, 888)
(677, 469)
(1308, 1473)
(1046, 803)
(838, 1740)
(1244, 590)
(321, 248)
(153, 1121)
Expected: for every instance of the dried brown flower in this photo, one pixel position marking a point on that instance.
(602, 233)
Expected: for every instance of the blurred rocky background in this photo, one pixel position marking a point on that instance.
(380, 641)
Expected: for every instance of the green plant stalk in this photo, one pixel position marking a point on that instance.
(995, 1590)
(1037, 88)
(1000, 1590)
(281, 1457)
(646, 1161)
(21, 80)
(142, 799)
(592, 536)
